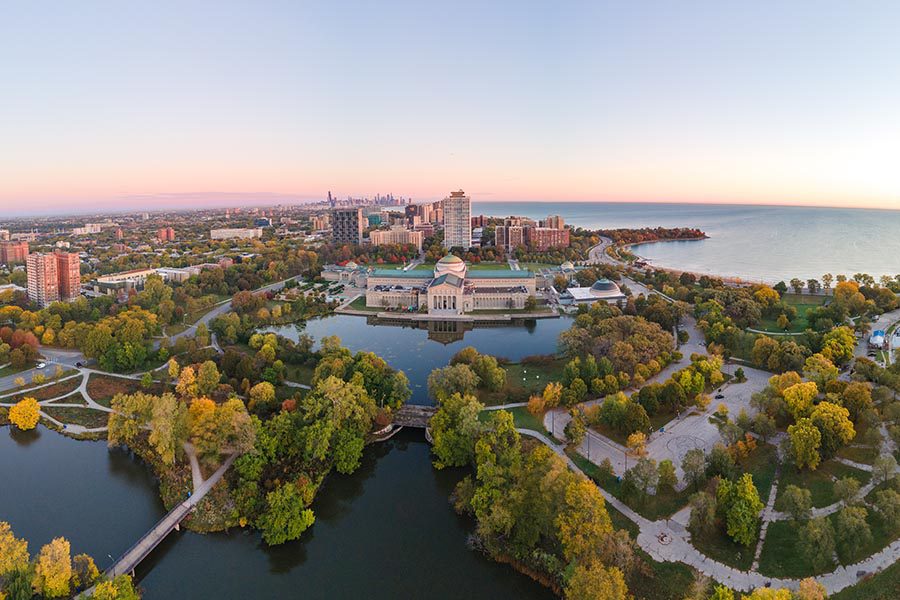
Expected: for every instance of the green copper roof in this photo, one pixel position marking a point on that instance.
(499, 274)
(411, 274)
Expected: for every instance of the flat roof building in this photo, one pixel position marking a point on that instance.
(457, 209)
(347, 226)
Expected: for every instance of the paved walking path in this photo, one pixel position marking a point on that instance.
(668, 540)
(766, 517)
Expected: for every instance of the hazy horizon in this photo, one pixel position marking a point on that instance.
(129, 107)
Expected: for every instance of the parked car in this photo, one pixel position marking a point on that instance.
(41, 365)
(719, 396)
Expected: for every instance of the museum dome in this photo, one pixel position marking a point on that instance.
(604, 287)
(450, 264)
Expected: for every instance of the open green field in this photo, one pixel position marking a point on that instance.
(820, 482)
(360, 304)
(299, 373)
(801, 302)
(535, 266)
(523, 380)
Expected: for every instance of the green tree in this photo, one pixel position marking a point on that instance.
(207, 378)
(667, 476)
(816, 542)
(820, 370)
(454, 429)
(884, 467)
(888, 504)
(261, 394)
(805, 440)
(853, 531)
(846, 489)
(583, 521)
(286, 516)
(454, 379)
(694, 466)
(740, 503)
(576, 429)
(797, 502)
(857, 398)
(703, 512)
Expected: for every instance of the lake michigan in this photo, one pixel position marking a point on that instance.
(767, 243)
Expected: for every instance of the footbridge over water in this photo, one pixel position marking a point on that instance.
(150, 540)
(414, 415)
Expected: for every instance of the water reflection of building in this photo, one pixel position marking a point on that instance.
(447, 332)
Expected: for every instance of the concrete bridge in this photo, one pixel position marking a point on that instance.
(414, 415)
(150, 540)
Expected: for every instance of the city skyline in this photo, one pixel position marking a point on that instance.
(123, 108)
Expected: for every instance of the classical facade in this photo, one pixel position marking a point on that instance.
(451, 289)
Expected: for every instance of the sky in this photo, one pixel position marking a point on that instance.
(123, 104)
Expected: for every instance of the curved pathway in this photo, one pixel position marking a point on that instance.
(668, 541)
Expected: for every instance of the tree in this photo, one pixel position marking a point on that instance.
(852, 529)
(25, 414)
(576, 428)
(582, 521)
(207, 378)
(834, 423)
(285, 517)
(857, 398)
(721, 593)
(644, 475)
(846, 489)
(637, 443)
(820, 370)
(816, 542)
(53, 569)
(797, 284)
(888, 504)
(884, 467)
(703, 512)
(261, 394)
(120, 588)
(187, 383)
(810, 589)
(805, 440)
(783, 322)
(173, 369)
(454, 429)
(168, 427)
(552, 394)
(799, 399)
(594, 581)
(740, 503)
(453, 379)
(85, 571)
(797, 502)
(667, 476)
(13, 551)
(146, 381)
(694, 466)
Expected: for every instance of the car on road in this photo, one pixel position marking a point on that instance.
(41, 365)
(719, 396)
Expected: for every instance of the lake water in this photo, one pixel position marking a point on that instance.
(766, 243)
(417, 351)
(385, 532)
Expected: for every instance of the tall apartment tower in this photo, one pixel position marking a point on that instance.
(43, 279)
(457, 220)
(347, 225)
(68, 271)
(13, 252)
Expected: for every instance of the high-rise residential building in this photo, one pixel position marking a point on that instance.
(43, 279)
(68, 271)
(509, 237)
(396, 235)
(543, 238)
(347, 225)
(457, 209)
(320, 222)
(165, 234)
(13, 252)
(4, 235)
(119, 234)
(553, 222)
(437, 212)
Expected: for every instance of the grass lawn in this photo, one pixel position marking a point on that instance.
(360, 304)
(75, 398)
(11, 370)
(865, 455)
(819, 482)
(663, 504)
(102, 388)
(883, 586)
(535, 266)
(651, 580)
(801, 303)
(717, 545)
(780, 555)
(484, 266)
(523, 380)
(51, 391)
(86, 417)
